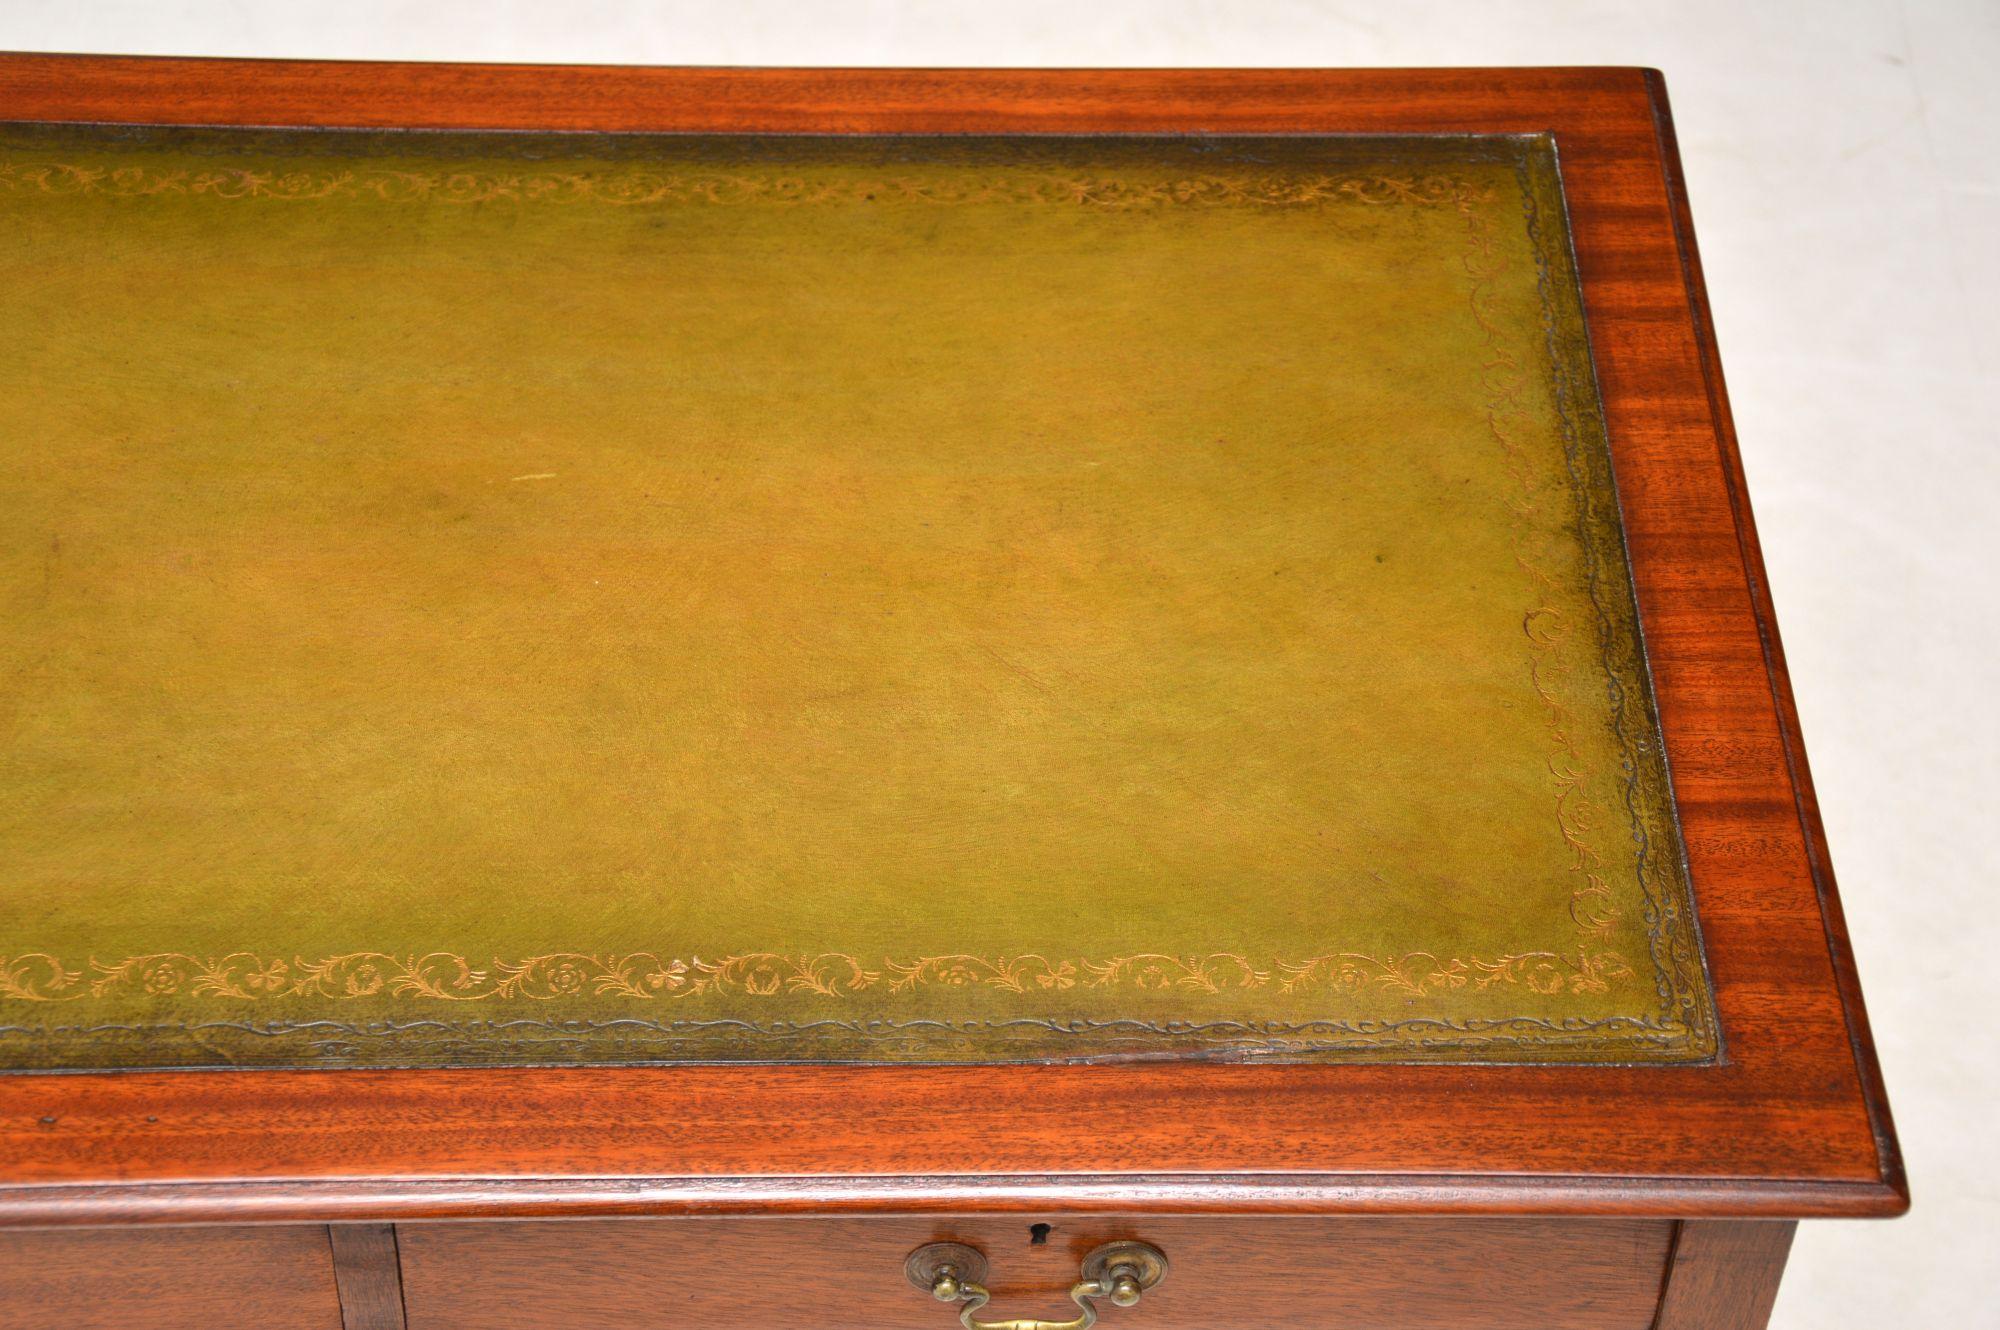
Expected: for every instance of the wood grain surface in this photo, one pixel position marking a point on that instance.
(169, 1279)
(1723, 1275)
(1224, 1274)
(1792, 1121)
(368, 1270)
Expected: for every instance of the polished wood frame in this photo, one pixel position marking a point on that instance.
(1314, 1273)
(1792, 1121)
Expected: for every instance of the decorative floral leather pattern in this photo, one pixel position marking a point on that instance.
(978, 598)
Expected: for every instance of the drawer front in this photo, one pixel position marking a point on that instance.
(168, 1279)
(1224, 1274)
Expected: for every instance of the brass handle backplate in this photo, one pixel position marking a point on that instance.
(954, 1272)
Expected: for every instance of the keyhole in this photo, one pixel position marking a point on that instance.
(1038, 1234)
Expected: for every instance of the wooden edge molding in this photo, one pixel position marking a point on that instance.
(1862, 1039)
(352, 1200)
(398, 94)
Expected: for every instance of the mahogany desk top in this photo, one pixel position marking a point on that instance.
(889, 642)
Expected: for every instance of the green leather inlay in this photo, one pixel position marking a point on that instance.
(535, 598)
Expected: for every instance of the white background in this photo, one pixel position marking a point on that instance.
(1844, 161)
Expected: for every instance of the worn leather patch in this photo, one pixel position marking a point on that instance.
(538, 598)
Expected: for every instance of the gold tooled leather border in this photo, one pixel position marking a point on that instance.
(1682, 1028)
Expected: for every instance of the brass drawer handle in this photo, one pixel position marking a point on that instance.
(954, 1272)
